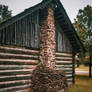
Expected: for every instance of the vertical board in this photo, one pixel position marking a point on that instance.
(24, 32)
(62, 42)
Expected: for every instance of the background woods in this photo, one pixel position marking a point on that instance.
(83, 25)
(5, 13)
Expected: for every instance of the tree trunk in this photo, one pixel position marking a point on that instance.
(90, 67)
(90, 59)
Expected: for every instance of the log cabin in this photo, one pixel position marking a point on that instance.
(21, 40)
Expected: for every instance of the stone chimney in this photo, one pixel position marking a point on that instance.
(47, 38)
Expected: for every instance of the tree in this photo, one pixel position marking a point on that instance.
(4, 13)
(83, 25)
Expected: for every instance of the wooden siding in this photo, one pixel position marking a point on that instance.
(24, 32)
(17, 64)
(64, 63)
(62, 42)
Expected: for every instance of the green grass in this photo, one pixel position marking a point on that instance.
(83, 84)
(82, 68)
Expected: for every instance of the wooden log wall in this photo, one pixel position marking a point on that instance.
(64, 62)
(17, 64)
(24, 32)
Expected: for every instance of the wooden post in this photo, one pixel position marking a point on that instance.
(73, 61)
(90, 63)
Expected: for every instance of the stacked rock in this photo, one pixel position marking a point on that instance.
(45, 79)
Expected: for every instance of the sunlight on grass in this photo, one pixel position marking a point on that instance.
(83, 84)
(82, 68)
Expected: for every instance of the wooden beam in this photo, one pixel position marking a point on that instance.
(73, 61)
(59, 17)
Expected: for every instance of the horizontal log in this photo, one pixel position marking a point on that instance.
(15, 78)
(64, 66)
(68, 72)
(58, 61)
(64, 63)
(68, 77)
(70, 58)
(16, 66)
(10, 76)
(18, 62)
(2, 71)
(27, 50)
(64, 69)
(3, 67)
(14, 83)
(24, 90)
(64, 54)
(19, 52)
(18, 56)
(18, 49)
(8, 89)
(15, 73)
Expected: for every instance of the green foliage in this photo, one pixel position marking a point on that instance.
(4, 13)
(83, 25)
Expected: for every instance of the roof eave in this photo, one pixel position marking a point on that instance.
(81, 47)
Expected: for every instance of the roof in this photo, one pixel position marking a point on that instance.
(60, 15)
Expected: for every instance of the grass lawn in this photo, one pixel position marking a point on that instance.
(82, 68)
(83, 84)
